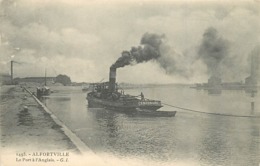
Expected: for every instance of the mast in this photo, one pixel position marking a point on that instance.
(45, 82)
(12, 76)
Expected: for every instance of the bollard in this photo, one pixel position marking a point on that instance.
(25, 108)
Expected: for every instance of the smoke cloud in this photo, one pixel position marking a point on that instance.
(154, 47)
(150, 50)
(59, 35)
(212, 51)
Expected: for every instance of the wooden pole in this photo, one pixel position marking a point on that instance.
(12, 76)
(45, 81)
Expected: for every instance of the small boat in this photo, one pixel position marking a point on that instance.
(85, 89)
(89, 87)
(44, 90)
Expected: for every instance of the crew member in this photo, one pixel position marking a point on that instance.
(142, 96)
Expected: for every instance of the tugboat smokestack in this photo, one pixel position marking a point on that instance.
(112, 79)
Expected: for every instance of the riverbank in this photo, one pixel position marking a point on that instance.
(25, 126)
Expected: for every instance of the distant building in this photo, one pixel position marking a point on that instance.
(214, 82)
(232, 85)
(40, 80)
(250, 81)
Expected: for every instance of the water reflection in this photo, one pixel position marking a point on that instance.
(254, 148)
(248, 96)
(224, 139)
(107, 118)
(252, 93)
(208, 140)
(215, 92)
(106, 134)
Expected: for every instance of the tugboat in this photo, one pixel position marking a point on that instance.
(106, 95)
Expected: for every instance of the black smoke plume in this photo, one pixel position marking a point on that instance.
(212, 51)
(149, 50)
(154, 47)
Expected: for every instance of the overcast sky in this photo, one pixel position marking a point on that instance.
(82, 39)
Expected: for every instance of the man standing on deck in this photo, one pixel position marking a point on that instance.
(142, 96)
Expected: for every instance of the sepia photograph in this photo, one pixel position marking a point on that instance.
(129, 83)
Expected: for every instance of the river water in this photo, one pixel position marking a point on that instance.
(189, 138)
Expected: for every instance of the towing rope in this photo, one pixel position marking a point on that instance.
(211, 113)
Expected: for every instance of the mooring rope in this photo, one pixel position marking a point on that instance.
(211, 113)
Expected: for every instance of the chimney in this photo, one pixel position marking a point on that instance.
(112, 79)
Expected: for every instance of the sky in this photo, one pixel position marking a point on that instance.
(82, 39)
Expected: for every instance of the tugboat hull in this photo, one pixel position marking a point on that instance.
(112, 105)
(133, 110)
